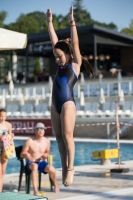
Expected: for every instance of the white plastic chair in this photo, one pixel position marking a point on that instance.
(15, 110)
(87, 109)
(113, 88)
(39, 92)
(26, 110)
(46, 112)
(37, 110)
(125, 88)
(131, 109)
(105, 88)
(9, 110)
(105, 109)
(112, 110)
(94, 108)
(78, 111)
(26, 94)
(41, 109)
(93, 90)
(126, 109)
(86, 90)
(32, 93)
(76, 90)
(29, 111)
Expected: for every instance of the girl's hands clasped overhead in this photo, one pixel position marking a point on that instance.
(49, 15)
(70, 15)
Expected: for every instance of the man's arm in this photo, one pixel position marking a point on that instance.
(47, 151)
(24, 152)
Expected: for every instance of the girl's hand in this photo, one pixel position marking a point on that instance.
(70, 15)
(3, 137)
(49, 15)
(12, 134)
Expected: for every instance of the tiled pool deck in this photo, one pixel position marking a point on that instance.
(91, 182)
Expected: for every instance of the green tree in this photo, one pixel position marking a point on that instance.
(41, 18)
(37, 68)
(77, 4)
(3, 15)
(82, 16)
(55, 22)
(62, 22)
(36, 21)
(25, 24)
(110, 25)
(129, 30)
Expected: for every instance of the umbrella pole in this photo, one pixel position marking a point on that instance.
(119, 169)
(118, 132)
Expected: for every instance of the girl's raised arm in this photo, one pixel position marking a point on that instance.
(52, 34)
(74, 39)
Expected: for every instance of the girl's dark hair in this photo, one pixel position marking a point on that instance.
(66, 47)
(2, 110)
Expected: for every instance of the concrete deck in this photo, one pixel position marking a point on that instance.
(91, 182)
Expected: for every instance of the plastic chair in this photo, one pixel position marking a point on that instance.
(23, 169)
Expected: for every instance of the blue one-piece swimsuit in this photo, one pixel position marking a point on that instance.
(63, 84)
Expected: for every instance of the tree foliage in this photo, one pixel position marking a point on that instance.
(78, 5)
(110, 25)
(37, 68)
(41, 18)
(3, 15)
(129, 30)
(36, 21)
(82, 16)
(26, 24)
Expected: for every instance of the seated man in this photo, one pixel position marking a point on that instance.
(36, 150)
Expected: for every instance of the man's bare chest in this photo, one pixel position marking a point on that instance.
(38, 147)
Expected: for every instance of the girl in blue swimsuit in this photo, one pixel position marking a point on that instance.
(63, 109)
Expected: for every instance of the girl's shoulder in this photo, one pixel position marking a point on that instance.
(8, 124)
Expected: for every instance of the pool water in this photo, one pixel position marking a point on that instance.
(83, 151)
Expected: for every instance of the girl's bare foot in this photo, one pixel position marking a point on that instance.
(64, 172)
(37, 193)
(69, 177)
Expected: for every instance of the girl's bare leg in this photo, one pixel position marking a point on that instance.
(55, 117)
(3, 164)
(68, 117)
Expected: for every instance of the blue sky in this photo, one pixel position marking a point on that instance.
(119, 12)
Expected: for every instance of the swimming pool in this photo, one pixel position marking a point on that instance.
(83, 151)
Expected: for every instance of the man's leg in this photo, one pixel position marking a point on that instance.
(34, 176)
(52, 173)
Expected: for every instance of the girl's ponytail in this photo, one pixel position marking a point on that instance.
(88, 66)
(84, 61)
